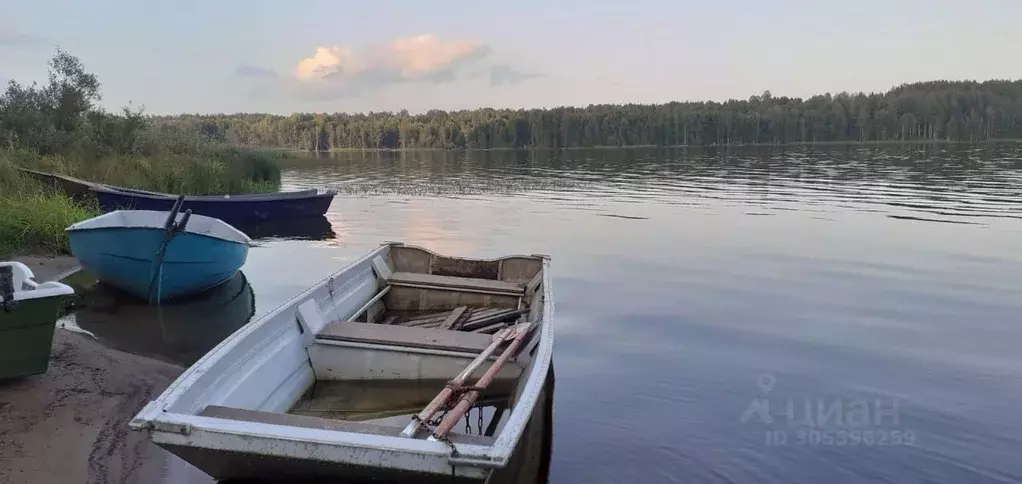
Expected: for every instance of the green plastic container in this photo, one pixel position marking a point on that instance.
(28, 315)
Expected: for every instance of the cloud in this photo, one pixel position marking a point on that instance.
(502, 74)
(245, 70)
(423, 58)
(16, 39)
(336, 71)
(327, 61)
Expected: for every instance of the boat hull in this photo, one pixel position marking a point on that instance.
(124, 258)
(236, 210)
(26, 335)
(530, 461)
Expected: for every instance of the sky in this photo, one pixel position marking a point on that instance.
(227, 56)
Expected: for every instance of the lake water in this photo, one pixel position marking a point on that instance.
(753, 315)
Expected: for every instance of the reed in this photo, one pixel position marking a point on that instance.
(214, 171)
(33, 217)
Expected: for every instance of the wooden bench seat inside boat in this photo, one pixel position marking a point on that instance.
(308, 422)
(427, 338)
(414, 279)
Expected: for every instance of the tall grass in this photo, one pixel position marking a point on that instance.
(33, 216)
(212, 172)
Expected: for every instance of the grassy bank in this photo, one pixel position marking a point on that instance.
(33, 216)
(209, 171)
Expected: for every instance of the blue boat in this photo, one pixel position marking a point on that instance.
(233, 209)
(157, 256)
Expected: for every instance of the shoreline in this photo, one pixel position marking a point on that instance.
(49, 267)
(631, 147)
(70, 424)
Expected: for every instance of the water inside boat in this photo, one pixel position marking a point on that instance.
(392, 403)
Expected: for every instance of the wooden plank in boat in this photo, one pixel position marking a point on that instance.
(454, 317)
(483, 312)
(413, 297)
(505, 315)
(475, 316)
(308, 422)
(424, 321)
(490, 329)
(425, 324)
(429, 316)
(436, 339)
(455, 283)
(534, 284)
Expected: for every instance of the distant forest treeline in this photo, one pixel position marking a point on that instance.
(939, 110)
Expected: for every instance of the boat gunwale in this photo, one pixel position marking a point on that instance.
(509, 436)
(240, 237)
(99, 229)
(115, 189)
(154, 416)
(221, 431)
(270, 197)
(309, 191)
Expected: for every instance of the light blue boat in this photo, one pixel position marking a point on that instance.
(158, 255)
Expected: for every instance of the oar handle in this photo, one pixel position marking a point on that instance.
(184, 220)
(173, 212)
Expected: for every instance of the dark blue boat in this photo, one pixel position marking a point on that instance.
(232, 209)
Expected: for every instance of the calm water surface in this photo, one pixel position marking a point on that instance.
(723, 316)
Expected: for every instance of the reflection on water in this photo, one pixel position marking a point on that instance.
(179, 331)
(303, 228)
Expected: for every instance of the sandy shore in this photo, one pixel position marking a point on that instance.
(50, 268)
(70, 425)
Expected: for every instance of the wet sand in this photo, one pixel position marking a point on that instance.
(48, 268)
(71, 423)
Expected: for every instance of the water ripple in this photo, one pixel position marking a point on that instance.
(936, 184)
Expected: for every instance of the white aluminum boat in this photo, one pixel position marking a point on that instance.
(279, 398)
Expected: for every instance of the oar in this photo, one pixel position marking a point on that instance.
(518, 333)
(168, 233)
(173, 212)
(427, 413)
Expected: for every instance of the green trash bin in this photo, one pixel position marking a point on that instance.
(28, 316)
